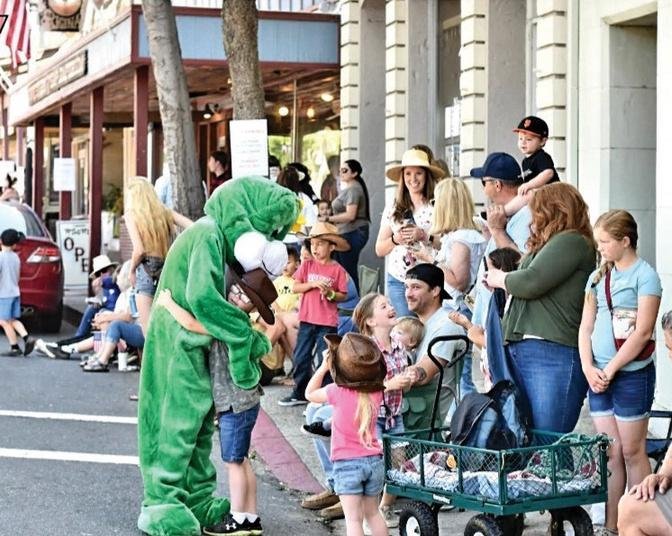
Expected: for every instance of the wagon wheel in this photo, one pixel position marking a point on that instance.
(484, 525)
(418, 519)
(575, 517)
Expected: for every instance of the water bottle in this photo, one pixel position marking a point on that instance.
(132, 305)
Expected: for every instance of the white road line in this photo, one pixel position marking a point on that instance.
(69, 417)
(68, 456)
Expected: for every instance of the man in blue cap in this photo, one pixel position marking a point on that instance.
(500, 176)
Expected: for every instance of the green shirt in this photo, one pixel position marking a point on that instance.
(547, 291)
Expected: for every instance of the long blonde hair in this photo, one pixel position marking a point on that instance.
(618, 224)
(453, 207)
(152, 219)
(364, 416)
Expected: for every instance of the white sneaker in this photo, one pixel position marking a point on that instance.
(41, 346)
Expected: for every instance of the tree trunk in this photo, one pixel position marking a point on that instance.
(179, 142)
(240, 27)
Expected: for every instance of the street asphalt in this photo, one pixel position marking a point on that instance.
(62, 475)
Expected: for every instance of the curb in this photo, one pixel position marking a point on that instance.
(280, 457)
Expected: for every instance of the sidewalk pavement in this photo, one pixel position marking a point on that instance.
(290, 455)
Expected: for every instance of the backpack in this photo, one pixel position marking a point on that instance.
(496, 420)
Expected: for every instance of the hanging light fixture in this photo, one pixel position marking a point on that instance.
(207, 112)
(310, 112)
(283, 111)
(327, 97)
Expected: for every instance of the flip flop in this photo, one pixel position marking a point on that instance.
(96, 366)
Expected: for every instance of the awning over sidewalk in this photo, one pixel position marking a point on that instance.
(291, 46)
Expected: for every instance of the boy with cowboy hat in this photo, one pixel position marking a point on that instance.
(323, 283)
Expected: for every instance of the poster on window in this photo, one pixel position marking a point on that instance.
(249, 147)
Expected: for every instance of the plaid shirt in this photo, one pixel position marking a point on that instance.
(396, 363)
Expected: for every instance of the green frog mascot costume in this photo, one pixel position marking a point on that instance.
(176, 412)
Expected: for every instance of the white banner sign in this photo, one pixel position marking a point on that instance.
(249, 148)
(72, 236)
(65, 175)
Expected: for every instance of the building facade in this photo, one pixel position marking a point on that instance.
(458, 75)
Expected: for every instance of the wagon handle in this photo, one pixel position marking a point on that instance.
(451, 363)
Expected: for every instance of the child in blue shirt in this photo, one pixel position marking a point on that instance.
(615, 344)
(10, 295)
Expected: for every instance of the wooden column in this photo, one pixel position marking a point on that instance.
(95, 170)
(65, 143)
(140, 118)
(38, 168)
(5, 136)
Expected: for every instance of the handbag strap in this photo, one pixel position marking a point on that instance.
(607, 290)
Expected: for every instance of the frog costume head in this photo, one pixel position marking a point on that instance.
(243, 205)
(175, 412)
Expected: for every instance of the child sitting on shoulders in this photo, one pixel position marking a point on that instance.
(538, 166)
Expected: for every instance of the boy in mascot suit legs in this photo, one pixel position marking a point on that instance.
(176, 412)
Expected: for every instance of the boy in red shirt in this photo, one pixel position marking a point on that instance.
(323, 283)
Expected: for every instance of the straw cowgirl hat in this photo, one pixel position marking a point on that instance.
(414, 157)
(329, 232)
(356, 362)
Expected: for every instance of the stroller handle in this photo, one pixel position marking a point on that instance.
(451, 363)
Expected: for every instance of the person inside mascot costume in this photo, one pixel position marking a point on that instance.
(176, 413)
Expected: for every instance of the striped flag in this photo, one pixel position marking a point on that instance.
(15, 29)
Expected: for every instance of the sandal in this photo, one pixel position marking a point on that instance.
(96, 366)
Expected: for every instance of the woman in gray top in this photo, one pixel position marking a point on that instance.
(351, 215)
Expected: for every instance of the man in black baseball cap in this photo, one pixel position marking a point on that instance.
(425, 293)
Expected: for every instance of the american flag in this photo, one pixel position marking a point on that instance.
(15, 29)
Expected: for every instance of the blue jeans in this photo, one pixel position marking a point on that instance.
(128, 331)
(84, 328)
(310, 336)
(235, 433)
(396, 293)
(350, 259)
(550, 377)
(321, 413)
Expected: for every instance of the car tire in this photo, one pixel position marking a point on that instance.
(52, 323)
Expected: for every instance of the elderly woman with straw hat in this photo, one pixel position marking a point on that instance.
(405, 223)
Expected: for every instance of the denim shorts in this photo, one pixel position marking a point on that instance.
(10, 308)
(359, 476)
(629, 396)
(235, 433)
(144, 284)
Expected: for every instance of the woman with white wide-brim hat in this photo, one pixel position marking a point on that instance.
(406, 222)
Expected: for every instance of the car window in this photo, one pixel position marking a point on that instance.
(24, 221)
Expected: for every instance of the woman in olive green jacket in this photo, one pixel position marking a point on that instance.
(542, 320)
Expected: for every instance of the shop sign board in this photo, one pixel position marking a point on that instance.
(65, 174)
(249, 147)
(60, 76)
(72, 237)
